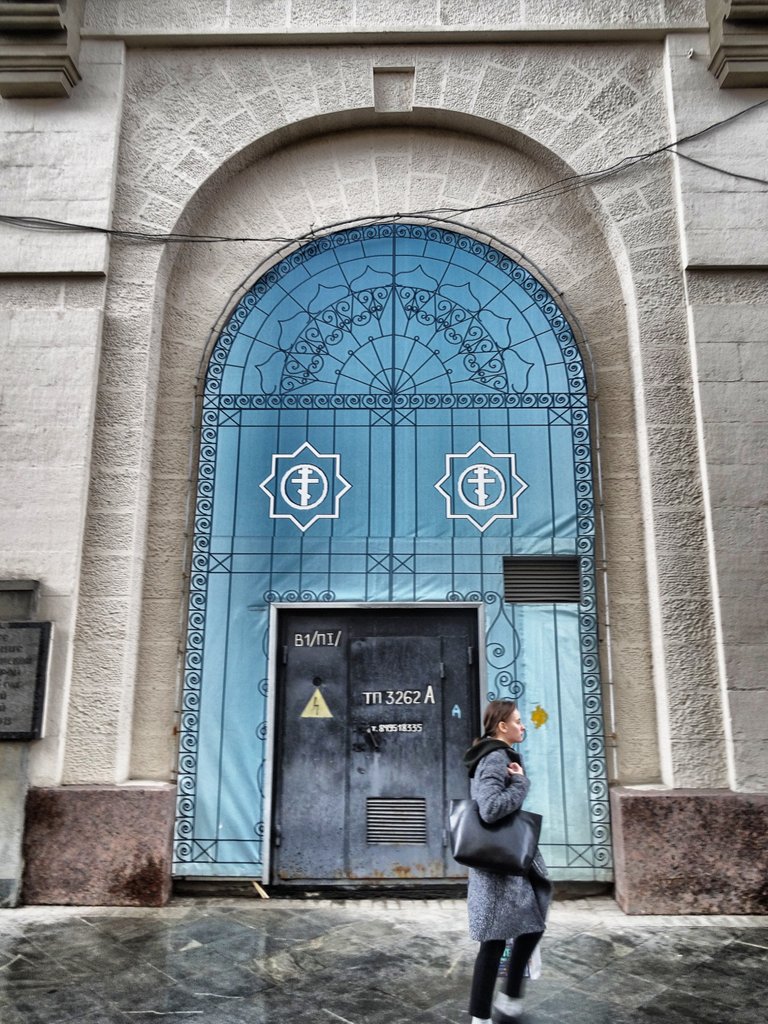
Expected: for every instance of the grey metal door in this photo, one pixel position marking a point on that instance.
(375, 710)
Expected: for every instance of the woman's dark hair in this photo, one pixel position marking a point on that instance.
(497, 711)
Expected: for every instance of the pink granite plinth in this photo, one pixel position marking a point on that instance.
(98, 845)
(690, 851)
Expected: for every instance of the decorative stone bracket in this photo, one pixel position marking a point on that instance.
(39, 45)
(738, 42)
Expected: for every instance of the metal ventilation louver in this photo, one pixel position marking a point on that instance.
(537, 579)
(396, 821)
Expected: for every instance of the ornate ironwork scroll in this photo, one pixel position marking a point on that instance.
(388, 412)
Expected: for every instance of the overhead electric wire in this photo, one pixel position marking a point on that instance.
(553, 190)
(722, 170)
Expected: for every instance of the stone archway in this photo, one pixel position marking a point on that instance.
(291, 181)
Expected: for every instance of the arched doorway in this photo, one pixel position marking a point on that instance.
(395, 417)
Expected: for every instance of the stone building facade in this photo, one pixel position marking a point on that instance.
(249, 129)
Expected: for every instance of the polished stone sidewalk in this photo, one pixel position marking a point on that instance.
(366, 962)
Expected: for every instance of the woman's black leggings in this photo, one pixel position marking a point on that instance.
(487, 969)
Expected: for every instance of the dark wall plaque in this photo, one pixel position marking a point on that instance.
(24, 648)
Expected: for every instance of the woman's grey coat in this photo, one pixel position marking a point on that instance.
(504, 906)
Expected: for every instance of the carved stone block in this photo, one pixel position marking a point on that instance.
(39, 45)
(738, 36)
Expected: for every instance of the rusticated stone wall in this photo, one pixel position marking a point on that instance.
(220, 131)
(201, 17)
(211, 142)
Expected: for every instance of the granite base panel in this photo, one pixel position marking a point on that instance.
(690, 851)
(98, 846)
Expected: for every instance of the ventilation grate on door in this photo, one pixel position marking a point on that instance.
(396, 821)
(538, 579)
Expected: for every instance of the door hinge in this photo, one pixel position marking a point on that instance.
(470, 656)
(445, 837)
(285, 654)
(278, 835)
(442, 670)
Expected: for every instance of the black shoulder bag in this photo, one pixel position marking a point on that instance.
(507, 846)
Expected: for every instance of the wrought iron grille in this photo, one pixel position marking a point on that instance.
(388, 413)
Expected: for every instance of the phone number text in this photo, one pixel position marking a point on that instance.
(397, 727)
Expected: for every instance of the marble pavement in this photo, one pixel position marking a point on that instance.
(231, 961)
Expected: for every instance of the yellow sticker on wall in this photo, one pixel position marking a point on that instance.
(316, 707)
(539, 716)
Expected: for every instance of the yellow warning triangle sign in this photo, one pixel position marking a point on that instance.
(316, 707)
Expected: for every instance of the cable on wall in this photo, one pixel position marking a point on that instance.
(554, 189)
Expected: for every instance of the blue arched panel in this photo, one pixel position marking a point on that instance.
(389, 412)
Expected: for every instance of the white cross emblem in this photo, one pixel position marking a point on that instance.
(306, 483)
(481, 486)
(309, 483)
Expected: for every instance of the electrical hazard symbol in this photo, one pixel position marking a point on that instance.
(316, 707)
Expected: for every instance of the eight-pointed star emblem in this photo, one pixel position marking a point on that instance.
(481, 486)
(305, 486)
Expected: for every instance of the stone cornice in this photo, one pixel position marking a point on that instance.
(395, 36)
(39, 46)
(32, 17)
(738, 38)
(746, 10)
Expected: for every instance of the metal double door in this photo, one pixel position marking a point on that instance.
(375, 708)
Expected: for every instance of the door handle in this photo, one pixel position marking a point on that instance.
(371, 738)
(365, 741)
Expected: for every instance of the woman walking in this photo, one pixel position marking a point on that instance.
(502, 907)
